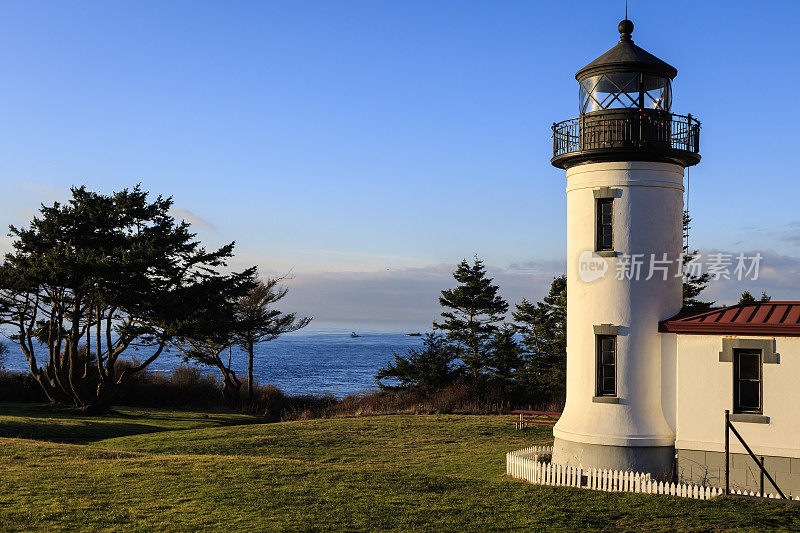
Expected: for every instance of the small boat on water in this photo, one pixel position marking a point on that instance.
(354, 334)
(413, 334)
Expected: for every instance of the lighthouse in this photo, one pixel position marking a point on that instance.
(624, 157)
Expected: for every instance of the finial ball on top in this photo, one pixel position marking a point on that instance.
(625, 29)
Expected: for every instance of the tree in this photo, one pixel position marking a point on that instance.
(505, 354)
(89, 279)
(3, 352)
(543, 327)
(214, 329)
(693, 283)
(430, 368)
(474, 310)
(747, 298)
(209, 353)
(258, 322)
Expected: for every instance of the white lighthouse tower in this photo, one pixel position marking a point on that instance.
(625, 157)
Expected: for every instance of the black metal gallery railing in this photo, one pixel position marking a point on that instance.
(615, 129)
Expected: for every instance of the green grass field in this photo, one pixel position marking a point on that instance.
(176, 470)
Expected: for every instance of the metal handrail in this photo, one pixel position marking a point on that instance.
(728, 428)
(612, 129)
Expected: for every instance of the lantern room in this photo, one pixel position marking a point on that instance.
(625, 106)
(625, 90)
(626, 77)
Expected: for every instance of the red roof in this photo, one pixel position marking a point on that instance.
(761, 318)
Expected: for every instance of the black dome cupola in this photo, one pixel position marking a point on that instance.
(625, 99)
(627, 57)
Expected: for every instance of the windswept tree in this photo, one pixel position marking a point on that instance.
(430, 368)
(206, 351)
(543, 327)
(474, 308)
(258, 321)
(209, 335)
(99, 275)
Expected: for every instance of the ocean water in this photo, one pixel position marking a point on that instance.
(305, 362)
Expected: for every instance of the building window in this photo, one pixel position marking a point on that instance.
(606, 365)
(747, 381)
(605, 217)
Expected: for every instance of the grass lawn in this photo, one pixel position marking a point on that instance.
(176, 470)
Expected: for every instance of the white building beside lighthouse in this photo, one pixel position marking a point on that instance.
(647, 389)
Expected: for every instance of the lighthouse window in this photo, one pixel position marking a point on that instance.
(606, 365)
(747, 381)
(624, 90)
(605, 217)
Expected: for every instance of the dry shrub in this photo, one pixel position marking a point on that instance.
(19, 387)
(185, 387)
(462, 398)
(188, 387)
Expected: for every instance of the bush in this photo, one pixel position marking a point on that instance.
(19, 387)
(428, 368)
(187, 387)
(466, 397)
(184, 387)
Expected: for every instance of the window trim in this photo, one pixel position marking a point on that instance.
(767, 347)
(737, 408)
(599, 246)
(599, 391)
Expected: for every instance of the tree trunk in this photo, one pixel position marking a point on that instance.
(249, 373)
(101, 403)
(230, 387)
(52, 392)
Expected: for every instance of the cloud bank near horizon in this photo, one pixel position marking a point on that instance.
(394, 299)
(364, 294)
(397, 299)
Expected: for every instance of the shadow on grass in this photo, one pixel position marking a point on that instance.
(69, 425)
(76, 432)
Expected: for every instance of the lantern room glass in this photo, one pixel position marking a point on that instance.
(625, 90)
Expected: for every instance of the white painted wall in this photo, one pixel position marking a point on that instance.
(705, 390)
(669, 379)
(647, 219)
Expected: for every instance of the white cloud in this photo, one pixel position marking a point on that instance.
(192, 218)
(778, 276)
(791, 233)
(329, 261)
(408, 297)
(402, 298)
(5, 244)
(544, 265)
(21, 206)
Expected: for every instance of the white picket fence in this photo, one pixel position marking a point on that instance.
(527, 464)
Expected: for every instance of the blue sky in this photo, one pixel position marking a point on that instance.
(369, 145)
